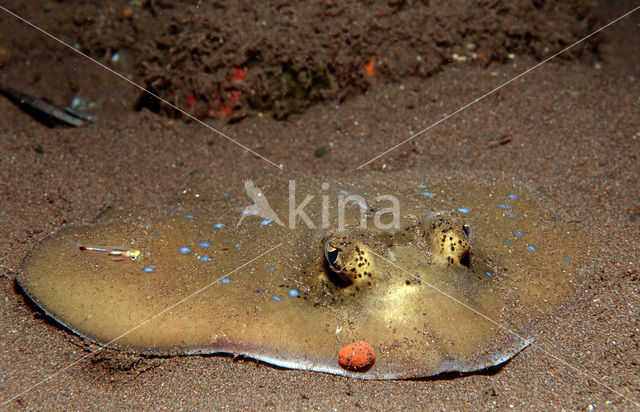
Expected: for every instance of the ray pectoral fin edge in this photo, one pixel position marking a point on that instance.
(388, 372)
(495, 359)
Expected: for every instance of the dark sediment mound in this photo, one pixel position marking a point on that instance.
(230, 59)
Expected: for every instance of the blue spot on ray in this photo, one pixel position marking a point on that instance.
(513, 197)
(277, 299)
(489, 274)
(428, 194)
(204, 259)
(567, 258)
(225, 281)
(504, 206)
(190, 216)
(510, 215)
(518, 233)
(218, 225)
(237, 245)
(148, 269)
(184, 250)
(266, 222)
(463, 210)
(204, 244)
(531, 248)
(293, 293)
(271, 269)
(422, 186)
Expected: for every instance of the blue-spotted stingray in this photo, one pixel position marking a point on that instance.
(437, 278)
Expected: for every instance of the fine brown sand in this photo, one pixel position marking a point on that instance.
(570, 130)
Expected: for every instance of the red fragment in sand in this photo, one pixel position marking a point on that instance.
(234, 96)
(357, 357)
(238, 75)
(370, 68)
(191, 101)
(225, 111)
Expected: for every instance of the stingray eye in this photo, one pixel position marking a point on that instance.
(349, 258)
(448, 236)
(331, 254)
(466, 228)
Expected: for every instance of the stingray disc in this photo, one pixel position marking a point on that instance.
(439, 279)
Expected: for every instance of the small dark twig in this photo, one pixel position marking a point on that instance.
(501, 141)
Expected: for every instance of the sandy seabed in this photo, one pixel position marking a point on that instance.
(569, 130)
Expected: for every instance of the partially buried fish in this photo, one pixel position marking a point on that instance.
(358, 281)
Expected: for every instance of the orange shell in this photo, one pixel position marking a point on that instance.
(357, 357)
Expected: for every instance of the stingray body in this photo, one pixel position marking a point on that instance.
(291, 283)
